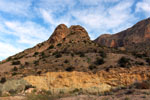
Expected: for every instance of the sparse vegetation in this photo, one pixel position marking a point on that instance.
(103, 54)
(16, 63)
(148, 60)
(36, 62)
(15, 69)
(141, 85)
(99, 61)
(70, 69)
(91, 67)
(81, 54)
(58, 55)
(35, 54)
(59, 44)
(51, 47)
(3, 80)
(66, 61)
(26, 63)
(124, 62)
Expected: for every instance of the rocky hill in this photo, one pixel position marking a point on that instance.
(70, 60)
(137, 34)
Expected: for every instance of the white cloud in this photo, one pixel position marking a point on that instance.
(28, 32)
(17, 7)
(52, 20)
(7, 50)
(113, 18)
(144, 6)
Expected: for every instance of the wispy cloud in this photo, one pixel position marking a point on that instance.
(7, 50)
(16, 7)
(28, 32)
(143, 6)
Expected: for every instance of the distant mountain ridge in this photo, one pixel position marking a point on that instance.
(139, 33)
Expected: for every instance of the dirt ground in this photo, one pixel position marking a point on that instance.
(13, 98)
(129, 94)
(120, 95)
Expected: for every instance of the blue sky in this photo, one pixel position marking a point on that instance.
(24, 23)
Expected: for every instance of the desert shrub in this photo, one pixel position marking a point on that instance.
(75, 90)
(91, 67)
(81, 54)
(15, 69)
(70, 69)
(3, 80)
(103, 54)
(40, 97)
(39, 72)
(99, 61)
(139, 63)
(66, 61)
(21, 67)
(16, 63)
(139, 55)
(124, 62)
(51, 47)
(148, 60)
(14, 73)
(142, 85)
(72, 54)
(58, 55)
(26, 63)
(36, 62)
(126, 98)
(12, 92)
(36, 53)
(59, 44)
(130, 92)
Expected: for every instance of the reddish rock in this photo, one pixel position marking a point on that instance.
(139, 33)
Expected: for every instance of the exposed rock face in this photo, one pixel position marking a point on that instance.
(139, 33)
(99, 82)
(60, 32)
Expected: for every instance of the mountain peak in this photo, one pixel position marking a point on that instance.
(59, 33)
(62, 31)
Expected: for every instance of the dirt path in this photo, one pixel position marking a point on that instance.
(13, 98)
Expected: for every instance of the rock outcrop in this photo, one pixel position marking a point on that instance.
(139, 33)
(89, 82)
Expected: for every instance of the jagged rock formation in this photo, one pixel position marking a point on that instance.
(139, 33)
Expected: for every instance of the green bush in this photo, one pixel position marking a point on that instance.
(66, 61)
(58, 55)
(51, 47)
(124, 62)
(99, 61)
(16, 63)
(81, 54)
(141, 85)
(70, 69)
(59, 44)
(103, 54)
(91, 67)
(15, 69)
(26, 63)
(3, 80)
(36, 53)
(36, 62)
(148, 60)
